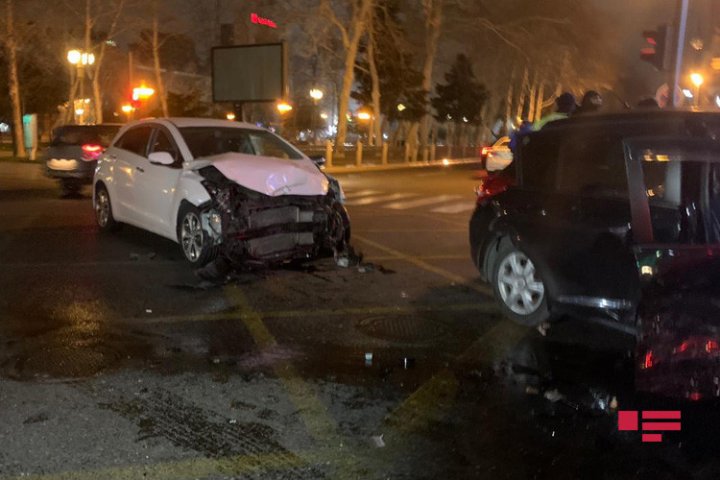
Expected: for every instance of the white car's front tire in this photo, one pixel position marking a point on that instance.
(197, 245)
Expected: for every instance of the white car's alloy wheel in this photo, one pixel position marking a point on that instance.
(102, 207)
(192, 236)
(520, 289)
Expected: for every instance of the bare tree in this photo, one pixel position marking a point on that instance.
(351, 33)
(159, 85)
(11, 47)
(433, 12)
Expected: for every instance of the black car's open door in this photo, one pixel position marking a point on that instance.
(674, 189)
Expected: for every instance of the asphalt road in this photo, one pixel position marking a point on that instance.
(117, 362)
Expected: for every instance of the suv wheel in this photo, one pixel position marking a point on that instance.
(194, 240)
(519, 287)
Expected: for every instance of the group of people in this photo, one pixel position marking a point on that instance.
(565, 106)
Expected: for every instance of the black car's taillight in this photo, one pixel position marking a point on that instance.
(491, 186)
(91, 151)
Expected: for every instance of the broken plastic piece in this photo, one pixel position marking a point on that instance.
(378, 441)
(543, 328)
(365, 268)
(553, 395)
(368, 359)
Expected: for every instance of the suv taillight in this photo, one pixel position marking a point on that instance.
(491, 186)
(91, 151)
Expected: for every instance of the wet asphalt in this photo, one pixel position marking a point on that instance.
(116, 361)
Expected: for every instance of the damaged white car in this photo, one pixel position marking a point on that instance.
(220, 188)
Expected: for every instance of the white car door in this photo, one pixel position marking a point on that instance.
(156, 184)
(128, 154)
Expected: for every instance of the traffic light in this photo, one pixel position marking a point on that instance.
(656, 48)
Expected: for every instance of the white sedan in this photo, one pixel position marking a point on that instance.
(219, 187)
(499, 155)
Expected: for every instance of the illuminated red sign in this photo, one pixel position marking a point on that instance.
(258, 20)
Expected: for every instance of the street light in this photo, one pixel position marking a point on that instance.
(142, 92)
(697, 80)
(284, 107)
(128, 110)
(363, 115)
(401, 107)
(316, 94)
(230, 116)
(77, 57)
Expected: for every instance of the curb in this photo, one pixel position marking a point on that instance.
(399, 166)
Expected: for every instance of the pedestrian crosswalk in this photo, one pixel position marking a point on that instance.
(448, 203)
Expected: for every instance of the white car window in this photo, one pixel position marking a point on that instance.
(208, 141)
(135, 140)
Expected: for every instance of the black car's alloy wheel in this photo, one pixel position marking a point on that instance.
(519, 287)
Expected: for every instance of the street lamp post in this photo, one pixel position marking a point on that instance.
(697, 80)
(316, 94)
(79, 60)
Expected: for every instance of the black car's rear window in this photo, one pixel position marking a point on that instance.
(83, 134)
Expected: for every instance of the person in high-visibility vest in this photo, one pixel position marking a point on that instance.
(564, 107)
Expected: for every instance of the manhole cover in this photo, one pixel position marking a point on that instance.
(402, 328)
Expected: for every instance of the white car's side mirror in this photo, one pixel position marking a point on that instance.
(161, 158)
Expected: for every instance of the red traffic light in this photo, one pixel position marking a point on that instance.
(655, 51)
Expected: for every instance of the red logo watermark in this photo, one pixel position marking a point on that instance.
(652, 421)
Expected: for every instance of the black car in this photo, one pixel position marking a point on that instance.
(73, 152)
(596, 214)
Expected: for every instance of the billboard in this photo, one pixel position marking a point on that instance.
(249, 73)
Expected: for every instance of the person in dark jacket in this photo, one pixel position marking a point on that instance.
(591, 102)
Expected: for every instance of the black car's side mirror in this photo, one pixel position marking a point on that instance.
(318, 160)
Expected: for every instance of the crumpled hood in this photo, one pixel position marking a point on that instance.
(269, 175)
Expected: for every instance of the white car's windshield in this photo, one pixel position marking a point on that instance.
(208, 141)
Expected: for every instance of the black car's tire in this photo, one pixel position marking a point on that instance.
(70, 187)
(103, 210)
(519, 286)
(195, 241)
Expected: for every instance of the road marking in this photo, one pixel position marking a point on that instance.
(421, 202)
(361, 193)
(318, 421)
(456, 208)
(339, 312)
(426, 266)
(382, 198)
(198, 467)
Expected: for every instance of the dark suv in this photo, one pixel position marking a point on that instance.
(597, 214)
(72, 154)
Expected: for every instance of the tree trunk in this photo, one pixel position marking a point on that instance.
(522, 94)
(159, 85)
(97, 91)
(376, 129)
(433, 24)
(69, 113)
(531, 103)
(358, 24)
(13, 81)
(539, 102)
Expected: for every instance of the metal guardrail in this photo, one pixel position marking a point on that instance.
(363, 155)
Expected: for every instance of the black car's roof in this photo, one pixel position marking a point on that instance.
(630, 116)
